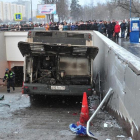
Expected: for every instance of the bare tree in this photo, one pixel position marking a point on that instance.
(76, 10)
(62, 9)
(125, 4)
(111, 7)
(100, 11)
(107, 11)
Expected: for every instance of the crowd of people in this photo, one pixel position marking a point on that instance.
(109, 28)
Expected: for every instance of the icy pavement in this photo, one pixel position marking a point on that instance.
(49, 119)
(133, 48)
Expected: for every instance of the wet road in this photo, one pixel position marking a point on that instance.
(48, 119)
(133, 48)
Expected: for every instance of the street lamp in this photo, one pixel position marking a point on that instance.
(130, 9)
(31, 11)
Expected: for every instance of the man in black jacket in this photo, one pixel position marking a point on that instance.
(128, 29)
(94, 26)
(82, 26)
(123, 28)
(109, 29)
(113, 26)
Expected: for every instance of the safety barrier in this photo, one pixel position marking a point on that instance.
(120, 70)
(96, 111)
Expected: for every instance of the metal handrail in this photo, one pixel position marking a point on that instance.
(96, 111)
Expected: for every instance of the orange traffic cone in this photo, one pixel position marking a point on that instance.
(84, 116)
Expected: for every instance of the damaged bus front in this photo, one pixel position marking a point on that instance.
(57, 69)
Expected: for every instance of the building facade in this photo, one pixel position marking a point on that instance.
(7, 11)
(17, 9)
(1, 11)
(13, 10)
(27, 4)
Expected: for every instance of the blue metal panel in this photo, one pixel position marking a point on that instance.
(135, 28)
(134, 37)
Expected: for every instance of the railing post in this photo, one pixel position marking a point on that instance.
(96, 111)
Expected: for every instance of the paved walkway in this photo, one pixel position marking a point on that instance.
(49, 118)
(133, 48)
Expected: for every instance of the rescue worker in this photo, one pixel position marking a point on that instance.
(10, 77)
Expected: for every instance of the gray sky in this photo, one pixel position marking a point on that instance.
(82, 2)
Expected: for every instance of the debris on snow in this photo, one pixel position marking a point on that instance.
(105, 125)
(74, 114)
(108, 124)
(1, 97)
(120, 136)
(93, 102)
(16, 132)
(63, 102)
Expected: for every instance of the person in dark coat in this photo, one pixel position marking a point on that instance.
(25, 27)
(105, 29)
(78, 26)
(73, 27)
(86, 26)
(123, 29)
(109, 29)
(89, 24)
(32, 26)
(56, 26)
(128, 29)
(82, 26)
(65, 26)
(94, 26)
(113, 25)
(101, 27)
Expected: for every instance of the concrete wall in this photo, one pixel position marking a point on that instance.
(12, 39)
(17, 63)
(3, 60)
(120, 70)
(10, 55)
